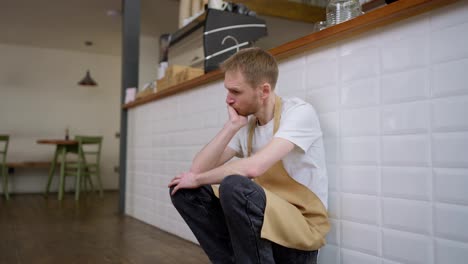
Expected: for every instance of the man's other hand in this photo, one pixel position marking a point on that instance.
(185, 180)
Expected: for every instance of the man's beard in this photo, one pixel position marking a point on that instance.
(250, 110)
(246, 113)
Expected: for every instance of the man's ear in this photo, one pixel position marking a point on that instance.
(265, 90)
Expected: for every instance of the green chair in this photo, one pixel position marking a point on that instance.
(87, 164)
(4, 139)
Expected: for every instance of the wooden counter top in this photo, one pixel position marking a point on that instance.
(378, 17)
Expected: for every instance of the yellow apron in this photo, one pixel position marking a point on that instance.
(294, 216)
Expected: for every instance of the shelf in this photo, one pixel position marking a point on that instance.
(187, 29)
(378, 17)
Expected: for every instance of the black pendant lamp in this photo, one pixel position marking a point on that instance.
(87, 80)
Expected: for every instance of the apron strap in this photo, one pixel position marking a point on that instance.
(253, 124)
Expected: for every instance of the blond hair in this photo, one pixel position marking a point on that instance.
(255, 64)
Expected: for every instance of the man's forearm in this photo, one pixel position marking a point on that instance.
(216, 175)
(253, 166)
(210, 155)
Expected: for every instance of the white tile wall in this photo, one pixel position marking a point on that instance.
(450, 185)
(360, 179)
(406, 150)
(334, 210)
(450, 222)
(360, 150)
(366, 58)
(457, 50)
(360, 93)
(450, 149)
(333, 236)
(448, 114)
(329, 124)
(360, 208)
(324, 99)
(386, 261)
(405, 118)
(405, 54)
(407, 247)
(329, 254)
(360, 237)
(360, 122)
(333, 180)
(353, 257)
(412, 216)
(405, 86)
(448, 79)
(331, 150)
(407, 182)
(447, 251)
(319, 73)
(448, 16)
(392, 105)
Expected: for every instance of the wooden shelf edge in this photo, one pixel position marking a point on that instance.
(190, 84)
(381, 16)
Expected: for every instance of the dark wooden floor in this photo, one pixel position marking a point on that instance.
(34, 229)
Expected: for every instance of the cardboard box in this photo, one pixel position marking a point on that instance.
(162, 84)
(172, 71)
(144, 93)
(176, 74)
(188, 74)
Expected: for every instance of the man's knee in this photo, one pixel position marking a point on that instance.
(235, 188)
(189, 196)
(176, 198)
(181, 197)
(230, 184)
(235, 192)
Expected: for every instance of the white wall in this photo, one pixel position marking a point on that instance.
(39, 98)
(149, 60)
(392, 105)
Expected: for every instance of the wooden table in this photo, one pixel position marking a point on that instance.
(61, 149)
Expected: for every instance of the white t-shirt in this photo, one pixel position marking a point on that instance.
(300, 125)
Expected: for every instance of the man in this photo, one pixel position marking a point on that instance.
(270, 206)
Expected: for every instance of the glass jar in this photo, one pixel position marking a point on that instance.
(339, 11)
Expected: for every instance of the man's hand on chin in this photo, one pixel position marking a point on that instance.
(235, 119)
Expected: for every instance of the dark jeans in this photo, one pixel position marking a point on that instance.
(228, 228)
